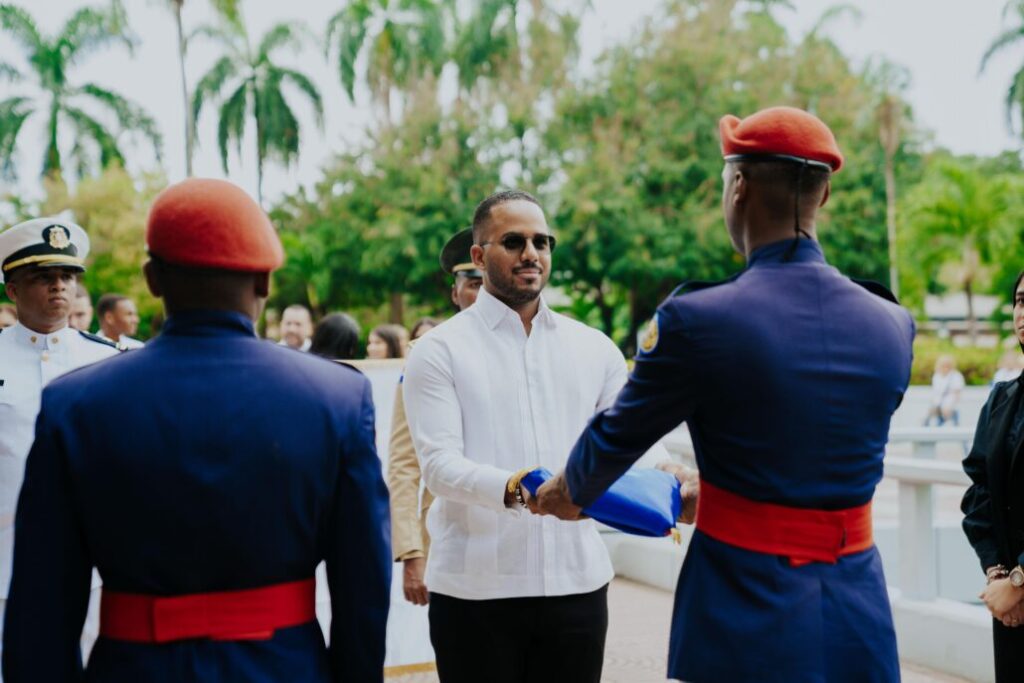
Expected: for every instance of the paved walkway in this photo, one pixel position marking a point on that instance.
(637, 646)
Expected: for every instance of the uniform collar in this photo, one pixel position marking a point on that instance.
(54, 341)
(493, 310)
(807, 251)
(208, 324)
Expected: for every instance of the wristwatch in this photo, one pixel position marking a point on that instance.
(1017, 577)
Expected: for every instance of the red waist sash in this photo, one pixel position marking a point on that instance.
(252, 614)
(802, 535)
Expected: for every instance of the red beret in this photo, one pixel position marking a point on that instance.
(780, 131)
(205, 223)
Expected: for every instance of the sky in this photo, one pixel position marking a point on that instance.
(940, 42)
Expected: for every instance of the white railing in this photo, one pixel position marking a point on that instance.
(917, 477)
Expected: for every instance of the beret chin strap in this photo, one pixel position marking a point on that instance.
(796, 214)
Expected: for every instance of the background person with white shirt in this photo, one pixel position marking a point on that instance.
(507, 385)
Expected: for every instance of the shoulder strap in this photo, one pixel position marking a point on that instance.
(876, 288)
(697, 285)
(100, 340)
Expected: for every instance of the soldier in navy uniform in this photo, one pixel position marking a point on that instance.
(787, 376)
(40, 261)
(205, 476)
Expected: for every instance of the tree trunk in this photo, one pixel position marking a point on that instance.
(972, 324)
(396, 312)
(889, 136)
(890, 222)
(259, 145)
(51, 163)
(607, 313)
(190, 135)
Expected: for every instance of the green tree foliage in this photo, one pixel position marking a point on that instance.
(371, 234)
(112, 208)
(249, 83)
(639, 149)
(65, 105)
(402, 40)
(957, 218)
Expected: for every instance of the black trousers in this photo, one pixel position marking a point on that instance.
(1009, 649)
(515, 640)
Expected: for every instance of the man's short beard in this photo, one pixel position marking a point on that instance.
(507, 292)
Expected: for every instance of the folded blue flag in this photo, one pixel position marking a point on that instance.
(644, 502)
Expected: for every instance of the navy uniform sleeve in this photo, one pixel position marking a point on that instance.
(358, 556)
(977, 501)
(49, 592)
(659, 395)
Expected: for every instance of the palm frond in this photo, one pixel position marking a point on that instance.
(1015, 98)
(1004, 40)
(228, 36)
(130, 116)
(285, 34)
(212, 83)
(229, 10)
(231, 124)
(90, 29)
(350, 27)
(88, 127)
(279, 128)
(306, 86)
(13, 113)
(8, 72)
(18, 23)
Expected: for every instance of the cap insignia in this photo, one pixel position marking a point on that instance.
(57, 236)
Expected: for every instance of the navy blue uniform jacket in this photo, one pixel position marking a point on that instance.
(787, 377)
(208, 461)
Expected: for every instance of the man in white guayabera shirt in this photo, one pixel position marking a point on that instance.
(506, 385)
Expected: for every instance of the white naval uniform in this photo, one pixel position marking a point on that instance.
(28, 362)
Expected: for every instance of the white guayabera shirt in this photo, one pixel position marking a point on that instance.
(483, 401)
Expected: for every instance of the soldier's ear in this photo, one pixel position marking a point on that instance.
(150, 270)
(11, 290)
(261, 286)
(826, 194)
(740, 188)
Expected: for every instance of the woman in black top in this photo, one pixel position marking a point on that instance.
(994, 509)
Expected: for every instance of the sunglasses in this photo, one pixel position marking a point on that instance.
(513, 242)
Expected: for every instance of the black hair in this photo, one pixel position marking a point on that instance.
(336, 337)
(482, 215)
(108, 303)
(1016, 285)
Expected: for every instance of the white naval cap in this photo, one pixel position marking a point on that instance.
(43, 242)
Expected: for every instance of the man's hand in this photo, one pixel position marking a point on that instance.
(689, 490)
(412, 580)
(1001, 598)
(553, 499)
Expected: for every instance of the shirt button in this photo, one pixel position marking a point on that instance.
(55, 340)
(33, 339)
(46, 356)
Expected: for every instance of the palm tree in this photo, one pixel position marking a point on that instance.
(892, 115)
(402, 40)
(486, 42)
(50, 58)
(256, 88)
(228, 10)
(1008, 38)
(955, 218)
